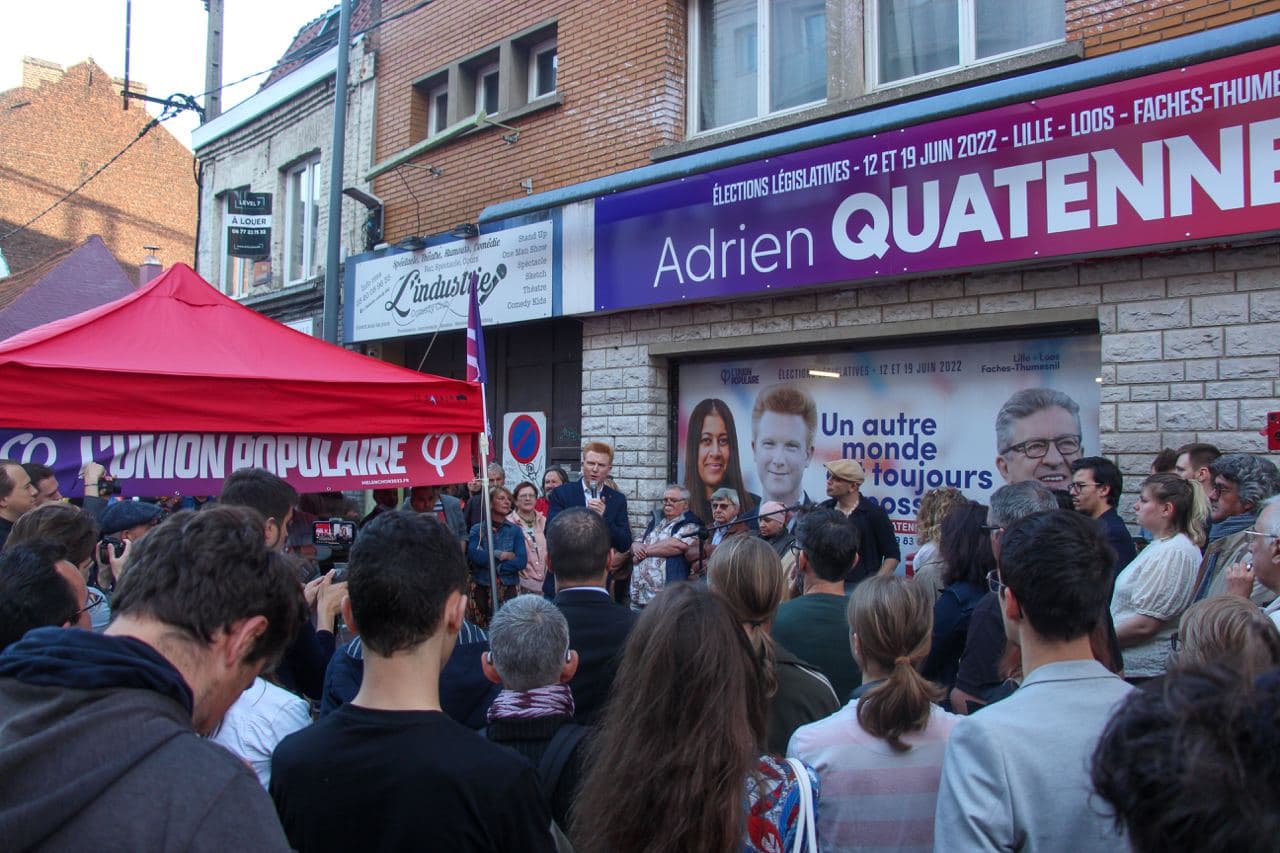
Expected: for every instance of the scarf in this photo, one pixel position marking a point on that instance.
(550, 701)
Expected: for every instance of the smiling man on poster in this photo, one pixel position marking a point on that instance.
(1038, 436)
(783, 422)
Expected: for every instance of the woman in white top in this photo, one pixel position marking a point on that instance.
(879, 758)
(260, 718)
(1158, 585)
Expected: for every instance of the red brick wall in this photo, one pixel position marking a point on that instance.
(56, 135)
(621, 76)
(1110, 25)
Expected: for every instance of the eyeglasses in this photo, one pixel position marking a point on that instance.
(993, 581)
(1222, 488)
(1038, 448)
(673, 500)
(1076, 488)
(795, 547)
(990, 528)
(91, 600)
(1260, 533)
(715, 505)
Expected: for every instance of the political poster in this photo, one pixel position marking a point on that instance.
(1184, 155)
(915, 418)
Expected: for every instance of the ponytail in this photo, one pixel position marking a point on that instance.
(1199, 512)
(1190, 506)
(746, 572)
(762, 649)
(893, 618)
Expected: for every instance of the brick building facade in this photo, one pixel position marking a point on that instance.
(58, 128)
(1184, 332)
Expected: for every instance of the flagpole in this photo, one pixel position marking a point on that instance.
(476, 372)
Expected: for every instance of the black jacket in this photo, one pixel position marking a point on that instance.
(598, 629)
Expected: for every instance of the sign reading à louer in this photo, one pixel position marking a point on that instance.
(1182, 155)
(421, 292)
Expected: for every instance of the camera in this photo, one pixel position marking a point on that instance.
(108, 486)
(335, 532)
(107, 547)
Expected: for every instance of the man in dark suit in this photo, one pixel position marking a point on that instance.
(578, 551)
(591, 492)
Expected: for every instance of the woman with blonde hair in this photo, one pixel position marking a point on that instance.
(891, 730)
(747, 572)
(1231, 630)
(928, 567)
(1153, 590)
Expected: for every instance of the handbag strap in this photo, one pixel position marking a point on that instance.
(806, 831)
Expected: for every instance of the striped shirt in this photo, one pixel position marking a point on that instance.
(873, 797)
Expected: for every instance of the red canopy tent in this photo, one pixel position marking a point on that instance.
(176, 385)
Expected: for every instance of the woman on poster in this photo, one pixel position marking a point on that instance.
(711, 459)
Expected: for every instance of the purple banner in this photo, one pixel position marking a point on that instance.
(1174, 157)
(170, 463)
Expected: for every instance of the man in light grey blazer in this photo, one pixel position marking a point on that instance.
(1016, 774)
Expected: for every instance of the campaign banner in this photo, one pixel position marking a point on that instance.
(171, 463)
(425, 291)
(1179, 156)
(915, 419)
(248, 224)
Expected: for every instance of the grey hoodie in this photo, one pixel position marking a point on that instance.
(114, 767)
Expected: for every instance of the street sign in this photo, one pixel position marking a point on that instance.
(525, 448)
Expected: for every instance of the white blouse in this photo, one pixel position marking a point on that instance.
(1159, 583)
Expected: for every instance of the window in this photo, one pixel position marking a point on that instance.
(437, 109)
(914, 38)
(732, 41)
(487, 89)
(543, 64)
(302, 225)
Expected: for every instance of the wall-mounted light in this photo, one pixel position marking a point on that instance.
(413, 242)
(824, 374)
(465, 230)
(373, 222)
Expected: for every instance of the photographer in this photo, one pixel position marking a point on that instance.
(123, 524)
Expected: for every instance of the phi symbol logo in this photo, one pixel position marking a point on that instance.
(439, 450)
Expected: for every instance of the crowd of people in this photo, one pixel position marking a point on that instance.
(740, 675)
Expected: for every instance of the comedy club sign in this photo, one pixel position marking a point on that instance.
(421, 292)
(165, 463)
(1183, 155)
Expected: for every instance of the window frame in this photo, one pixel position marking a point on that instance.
(482, 73)
(535, 52)
(967, 14)
(437, 116)
(764, 23)
(311, 248)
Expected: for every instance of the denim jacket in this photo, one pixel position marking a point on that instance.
(508, 537)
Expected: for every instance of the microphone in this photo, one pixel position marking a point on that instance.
(595, 489)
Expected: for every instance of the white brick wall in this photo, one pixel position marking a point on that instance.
(1190, 349)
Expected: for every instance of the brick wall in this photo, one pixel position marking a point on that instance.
(55, 135)
(1190, 350)
(621, 78)
(1110, 25)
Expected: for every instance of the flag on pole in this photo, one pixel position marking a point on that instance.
(476, 363)
(475, 340)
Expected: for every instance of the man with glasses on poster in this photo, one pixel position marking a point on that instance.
(1038, 436)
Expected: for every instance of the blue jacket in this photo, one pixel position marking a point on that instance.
(615, 511)
(508, 537)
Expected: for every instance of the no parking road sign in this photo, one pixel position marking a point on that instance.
(525, 453)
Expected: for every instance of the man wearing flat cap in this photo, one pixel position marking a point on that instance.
(878, 546)
(127, 521)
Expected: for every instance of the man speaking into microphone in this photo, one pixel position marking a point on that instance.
(591, 492)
